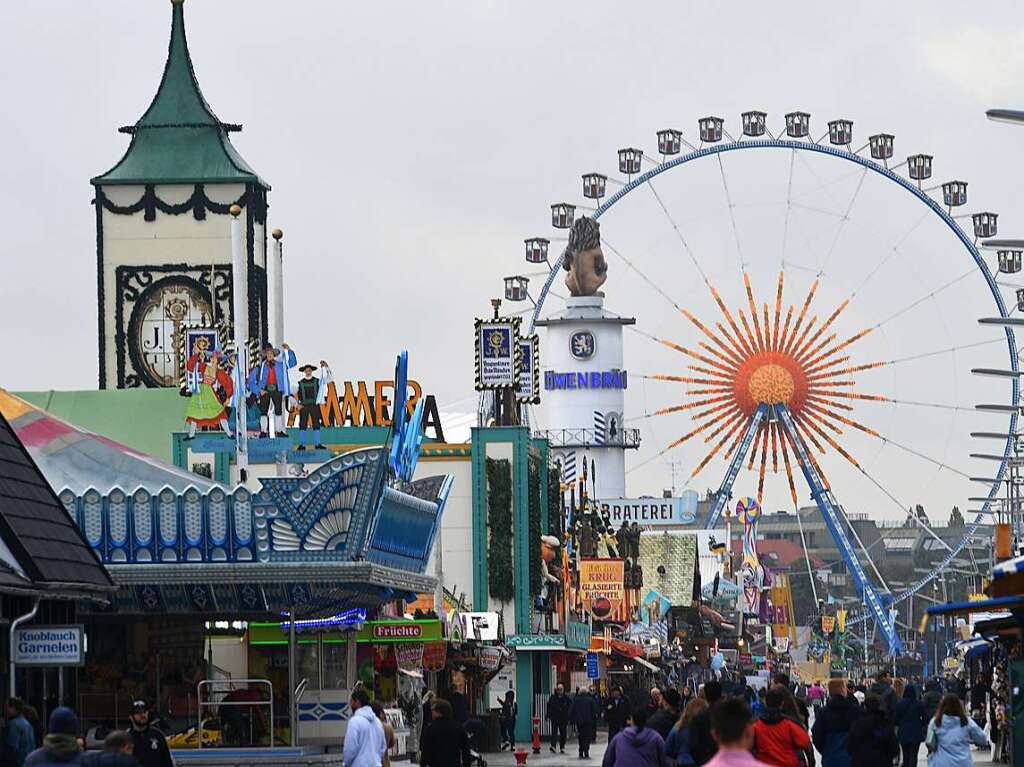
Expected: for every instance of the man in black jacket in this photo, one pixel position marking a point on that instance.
(558, 715)
(932, 696)
(445, 742)
(883, 689)
(702, 744)
(149, 745)
(583, 713)
(616, 713)
(832, 725)
(667, 715)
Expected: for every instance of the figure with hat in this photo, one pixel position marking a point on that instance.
(269, 382)
(150, 746)
(205, 408)
(312, 393)
(549, 547)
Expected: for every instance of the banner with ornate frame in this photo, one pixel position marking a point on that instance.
(497, 353)
(529, 372)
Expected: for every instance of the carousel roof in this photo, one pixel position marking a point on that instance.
(179, 139)
(77, 459)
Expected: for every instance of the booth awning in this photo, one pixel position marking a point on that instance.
(1009, 567)
(1010, 602)
(972, 648)
(646, 664)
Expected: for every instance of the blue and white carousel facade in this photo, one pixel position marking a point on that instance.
(341, 537)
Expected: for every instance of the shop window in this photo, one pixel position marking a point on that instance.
(335, 666)
(308, 664)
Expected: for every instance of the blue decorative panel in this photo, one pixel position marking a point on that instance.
(343, 511)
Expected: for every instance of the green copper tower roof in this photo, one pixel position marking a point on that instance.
(179, 140)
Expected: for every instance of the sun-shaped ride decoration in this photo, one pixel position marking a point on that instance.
(771, 361)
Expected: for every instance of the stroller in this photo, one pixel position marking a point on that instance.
(477, 732)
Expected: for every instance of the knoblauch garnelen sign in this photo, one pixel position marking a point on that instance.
(49, 646)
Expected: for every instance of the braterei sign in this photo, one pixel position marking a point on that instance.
(652, 512)
(49, 646)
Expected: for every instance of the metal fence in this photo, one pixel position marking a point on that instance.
(240, 725)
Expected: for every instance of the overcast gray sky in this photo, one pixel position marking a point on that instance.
(412, 146)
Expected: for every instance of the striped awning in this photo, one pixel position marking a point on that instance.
(1009, 567)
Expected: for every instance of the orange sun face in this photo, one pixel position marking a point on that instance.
(770, 361)
(770, 378)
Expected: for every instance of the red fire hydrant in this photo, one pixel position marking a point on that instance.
(521, 756)
(536, 734)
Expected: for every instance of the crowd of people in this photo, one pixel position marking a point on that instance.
(875, 722)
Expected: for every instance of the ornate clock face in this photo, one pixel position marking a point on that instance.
(159, 321)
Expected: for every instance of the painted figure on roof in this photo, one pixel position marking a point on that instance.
(312, 393)
(270, 384)
(205, 408)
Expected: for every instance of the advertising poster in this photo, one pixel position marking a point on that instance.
(601, 585)
(409, 655)
(497, 353)
(529, 370)
(435, 655)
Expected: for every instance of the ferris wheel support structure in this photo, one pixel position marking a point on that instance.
(717, 149)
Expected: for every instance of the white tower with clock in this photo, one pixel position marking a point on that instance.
(163, 234)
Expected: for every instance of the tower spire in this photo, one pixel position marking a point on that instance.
(178, 100)
(179, 138)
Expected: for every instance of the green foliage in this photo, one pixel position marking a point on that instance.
(556, 522)
(956, 519)
(535, 531)
(499, 529)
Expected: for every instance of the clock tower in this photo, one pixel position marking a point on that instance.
(163, 243)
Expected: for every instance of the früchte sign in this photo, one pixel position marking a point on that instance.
(49, 646)
(397, 631)
(605, 379)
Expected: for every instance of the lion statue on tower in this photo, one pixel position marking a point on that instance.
(583, 259)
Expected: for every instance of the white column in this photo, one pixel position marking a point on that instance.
(241, 338)
(275, 290)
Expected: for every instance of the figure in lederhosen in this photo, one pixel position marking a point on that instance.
(269, 382)
(312, 394)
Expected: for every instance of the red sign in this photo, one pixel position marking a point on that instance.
(746, 660)
(435, 654)
(629, 649)
(397, 631)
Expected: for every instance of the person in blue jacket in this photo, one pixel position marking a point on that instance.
(950, 735)
(269, 383)
(19, 736)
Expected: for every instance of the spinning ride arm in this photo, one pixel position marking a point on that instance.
(831, 511)
(725, 490)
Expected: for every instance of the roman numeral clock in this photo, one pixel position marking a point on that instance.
(163, 234)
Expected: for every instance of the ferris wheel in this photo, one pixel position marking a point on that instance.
(807, 320)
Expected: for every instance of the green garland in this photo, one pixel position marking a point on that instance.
(499, 528)
(535, 531)
(556, 523)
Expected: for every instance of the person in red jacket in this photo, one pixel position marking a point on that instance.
(779, 740)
